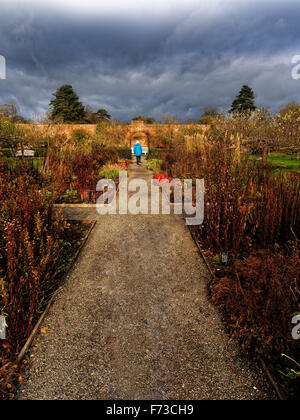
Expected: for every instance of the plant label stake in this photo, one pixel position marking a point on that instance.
(3, 326)
(224, 258)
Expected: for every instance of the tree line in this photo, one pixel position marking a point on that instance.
(66, 107)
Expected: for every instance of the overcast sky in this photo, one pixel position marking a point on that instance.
(153, 58)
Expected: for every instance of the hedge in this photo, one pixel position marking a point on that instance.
(125, 153)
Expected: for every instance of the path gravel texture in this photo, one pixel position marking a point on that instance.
(133, 321)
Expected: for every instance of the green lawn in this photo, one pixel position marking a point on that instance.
(282, 161)
(286, 162)
(37, 161)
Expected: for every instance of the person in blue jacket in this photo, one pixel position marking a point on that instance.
(138, 150)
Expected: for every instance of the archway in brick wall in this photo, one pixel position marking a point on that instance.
(143, 136)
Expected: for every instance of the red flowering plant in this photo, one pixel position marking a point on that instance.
(163, 179)
(119, 165)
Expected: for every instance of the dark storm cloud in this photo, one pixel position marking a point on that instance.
(175, 64)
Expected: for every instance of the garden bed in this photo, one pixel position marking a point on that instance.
(71, 241)
(82, 188)
(252, 218)
(38, 247)
(86, 196)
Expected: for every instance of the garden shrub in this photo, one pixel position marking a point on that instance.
(155, 153)
(6, 152)
(154, 165)
(112, 170)
(29, 250)
(252, 214)
(40, 151)
(125, 153)
(259, 297)
(79, 137)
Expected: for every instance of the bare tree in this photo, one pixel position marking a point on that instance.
(9, 110)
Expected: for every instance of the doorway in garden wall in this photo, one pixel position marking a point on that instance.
(143, 138)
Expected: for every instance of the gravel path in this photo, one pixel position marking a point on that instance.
(133, 322)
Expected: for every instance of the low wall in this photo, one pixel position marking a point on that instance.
(65, 129)
(137, 130)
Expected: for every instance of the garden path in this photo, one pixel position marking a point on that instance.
(133, 321)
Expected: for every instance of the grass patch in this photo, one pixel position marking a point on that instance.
(37, 162)
(281, 161)
(285, 162)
